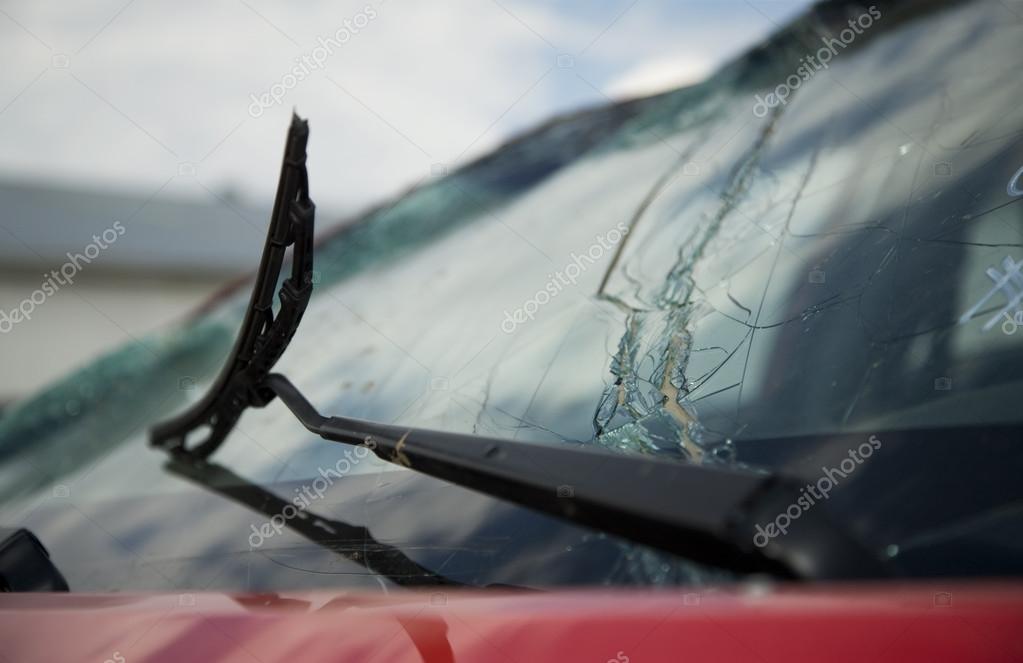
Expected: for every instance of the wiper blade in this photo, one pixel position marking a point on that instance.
(264, 336)
(704, 513)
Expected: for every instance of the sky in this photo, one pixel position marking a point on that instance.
(162, 98)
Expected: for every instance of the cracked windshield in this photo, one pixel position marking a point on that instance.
(817, 248)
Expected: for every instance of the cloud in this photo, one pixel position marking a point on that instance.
(156, 86)
(660, 75)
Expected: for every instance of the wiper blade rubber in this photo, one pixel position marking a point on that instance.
(263, 337)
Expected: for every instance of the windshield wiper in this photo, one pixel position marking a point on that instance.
(704, 513)
(263, 337)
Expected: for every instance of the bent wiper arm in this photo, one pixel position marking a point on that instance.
(263, 337)
(705, 513)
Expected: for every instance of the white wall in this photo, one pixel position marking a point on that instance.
(96, 314)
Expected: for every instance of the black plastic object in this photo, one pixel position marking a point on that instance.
(706, 513)
(263, 336)
(25, 564)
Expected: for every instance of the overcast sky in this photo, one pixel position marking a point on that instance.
(156, 96)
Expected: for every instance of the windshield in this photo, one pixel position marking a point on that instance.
(785, 250)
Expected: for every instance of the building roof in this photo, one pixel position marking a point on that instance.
(42, 224)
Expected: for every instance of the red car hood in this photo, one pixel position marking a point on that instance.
(925, 622)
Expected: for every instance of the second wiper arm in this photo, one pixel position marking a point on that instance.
(705, 513)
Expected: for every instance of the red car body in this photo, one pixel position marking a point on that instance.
(905, 622)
